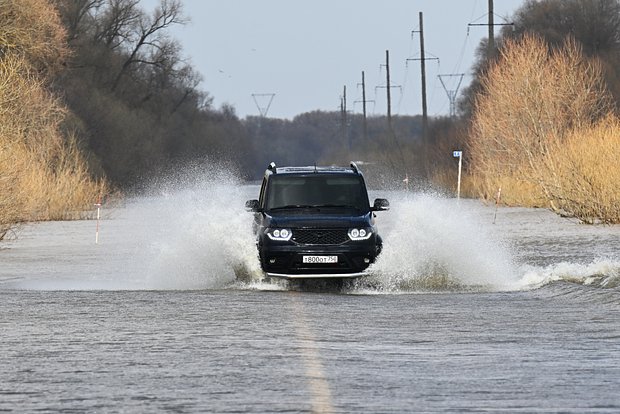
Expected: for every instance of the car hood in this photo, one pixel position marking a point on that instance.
(318, 220)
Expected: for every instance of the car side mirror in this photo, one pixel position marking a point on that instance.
(252, 205)
(381, 204)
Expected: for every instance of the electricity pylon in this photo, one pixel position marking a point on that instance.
(452, 93)
(263, 108)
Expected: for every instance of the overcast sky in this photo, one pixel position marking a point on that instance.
(306, 51)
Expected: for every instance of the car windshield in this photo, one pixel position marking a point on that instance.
(316, 190)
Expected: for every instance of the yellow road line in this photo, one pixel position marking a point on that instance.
(315, 375)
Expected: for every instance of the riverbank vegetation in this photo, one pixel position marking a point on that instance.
(136, 102)
(43, 172)
(543, 130)
(543, 112)
(95, 95)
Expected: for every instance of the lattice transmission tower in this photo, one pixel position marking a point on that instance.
(263, 102)
(452, 93)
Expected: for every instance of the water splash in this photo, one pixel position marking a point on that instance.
(430, 243)
(602, 273)
(192, 232)
(189, 232)
(206, 240)
(433, 243)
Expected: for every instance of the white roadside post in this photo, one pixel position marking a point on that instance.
(98, 205)
(459, 155)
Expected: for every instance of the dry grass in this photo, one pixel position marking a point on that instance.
(43, 175)
(584, 178)
(10, 199)
(62, 185)
(32, 29)
(539, 129)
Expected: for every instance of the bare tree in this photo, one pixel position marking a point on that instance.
(151, 43)
(75, 12)
(118, 24)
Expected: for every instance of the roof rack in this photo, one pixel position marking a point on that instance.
(272, 167)
(354, 168)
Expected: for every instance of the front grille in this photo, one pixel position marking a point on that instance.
(320, 236)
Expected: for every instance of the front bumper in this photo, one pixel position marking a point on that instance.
(286, 261)
(316, 275)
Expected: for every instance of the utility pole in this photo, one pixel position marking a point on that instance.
(363, 101)
(491, 45)
(423, 60)
(491, 26)
(343, 115)
(389, 98)
(364, 105)
(423, 70)
(388, 87)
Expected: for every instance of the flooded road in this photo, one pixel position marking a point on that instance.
(459, 315)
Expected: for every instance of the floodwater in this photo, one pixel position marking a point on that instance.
(469, 309)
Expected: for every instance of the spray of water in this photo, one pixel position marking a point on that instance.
(205, 240)
(603, 273)
(430, 243)
(433, 243)
(192, 232)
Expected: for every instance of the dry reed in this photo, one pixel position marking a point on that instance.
(583, 180)
(538, 113)
(43, 175)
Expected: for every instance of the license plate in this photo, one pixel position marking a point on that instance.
(320, 259)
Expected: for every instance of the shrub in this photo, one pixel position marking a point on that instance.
(536, 107)
(584, 176)
(43, 174)
(32, 29)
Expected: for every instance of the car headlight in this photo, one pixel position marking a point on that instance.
(279, 234)
(357, 234)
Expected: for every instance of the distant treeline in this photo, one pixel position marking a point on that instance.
(136, 104)
(138, 111)
(393, 150)
(125, 104)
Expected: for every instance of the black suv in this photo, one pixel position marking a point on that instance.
(315, 222)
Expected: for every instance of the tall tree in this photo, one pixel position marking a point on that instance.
(595, 24)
